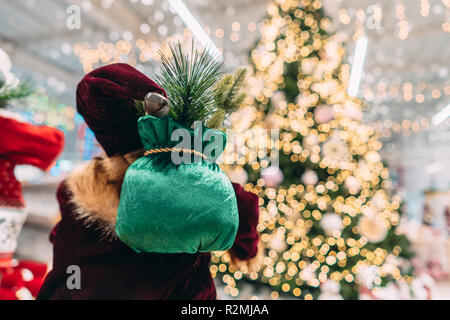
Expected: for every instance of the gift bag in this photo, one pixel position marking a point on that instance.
(172, 207)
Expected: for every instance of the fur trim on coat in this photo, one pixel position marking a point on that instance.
(96, 190)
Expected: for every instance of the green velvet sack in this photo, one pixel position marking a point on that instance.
(168, 207)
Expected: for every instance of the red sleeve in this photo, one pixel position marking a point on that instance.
(246, 244)
(24, 143)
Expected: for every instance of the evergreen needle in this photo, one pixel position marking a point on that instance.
(188, 81)
(8, 93)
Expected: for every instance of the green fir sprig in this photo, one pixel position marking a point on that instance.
(188, 81)
(228, 97)
(8, 93)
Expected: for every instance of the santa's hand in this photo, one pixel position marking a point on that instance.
(251, 265)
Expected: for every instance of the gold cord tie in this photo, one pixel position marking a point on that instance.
(166, 150)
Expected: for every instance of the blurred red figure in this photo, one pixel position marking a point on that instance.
(20, 143)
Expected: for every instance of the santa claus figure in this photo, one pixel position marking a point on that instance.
(20, 143)
(85, 237)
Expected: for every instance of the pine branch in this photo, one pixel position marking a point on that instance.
(8, 93)
(227, 96)
(220, 90)
(216, 120)
(234, 98)
(188, 81)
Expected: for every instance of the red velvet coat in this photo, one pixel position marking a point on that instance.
(111, 270)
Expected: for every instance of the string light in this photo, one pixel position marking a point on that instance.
(375, 12)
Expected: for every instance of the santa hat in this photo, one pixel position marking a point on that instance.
(105, 99)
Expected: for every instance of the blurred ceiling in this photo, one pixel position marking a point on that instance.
(406, 78)
(406, 74)
(41, 46)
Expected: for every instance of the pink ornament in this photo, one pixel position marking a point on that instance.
(331, 223)
(308, 273)
(330, 291)
(310, 177)
(278, 98)
(310, 141)
(352, 184)
(278, 244)
(324, 113)
(374, 229)
(272, 176)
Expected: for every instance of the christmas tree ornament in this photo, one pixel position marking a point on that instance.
(272, 176)
(309, 177)
(379, 200)
(369, 211)
(277, 99)
(331, 223)
(330, 291)
(308, 273)
(310, 141)
(373, 228)
(367, 274)
(372, 157)
(363, 171)
(324, 113)
(273, 121)
(335, 149)
(353, 185)
(278, 244)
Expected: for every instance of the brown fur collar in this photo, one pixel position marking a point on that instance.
(96, 190)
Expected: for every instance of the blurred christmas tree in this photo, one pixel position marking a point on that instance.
(327, 215)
